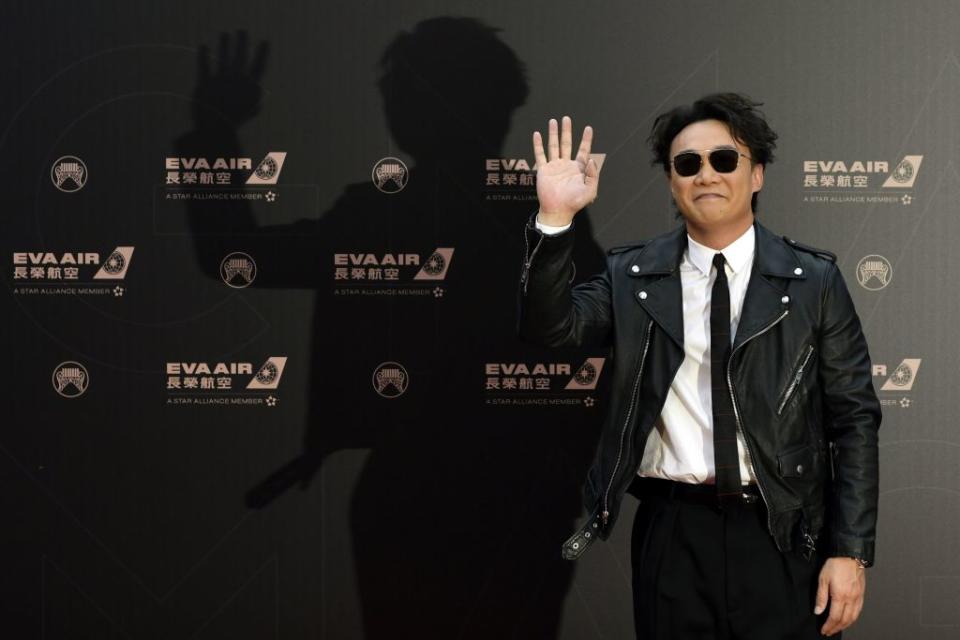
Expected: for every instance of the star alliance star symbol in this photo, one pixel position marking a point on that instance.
(271, 401)
(438, 292)
(118, 291)
(270, 196)
(588, 401)
(905, 402)
(906, 199)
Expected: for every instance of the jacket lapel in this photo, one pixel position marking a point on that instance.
(765, 299)
(661, 297)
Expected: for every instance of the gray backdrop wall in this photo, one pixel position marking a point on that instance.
(377, 455)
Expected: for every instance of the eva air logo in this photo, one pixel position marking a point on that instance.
(586, 377)
(904, 174)
(902, 378)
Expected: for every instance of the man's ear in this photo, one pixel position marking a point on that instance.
(756, 177)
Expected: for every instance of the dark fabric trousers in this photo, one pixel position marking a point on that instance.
(700, 573)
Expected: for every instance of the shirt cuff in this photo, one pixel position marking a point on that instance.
(551, 230)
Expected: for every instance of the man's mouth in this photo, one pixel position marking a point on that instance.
(709, 196)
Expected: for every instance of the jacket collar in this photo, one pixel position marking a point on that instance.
(663, 254)
(765, 301)
(738, 255)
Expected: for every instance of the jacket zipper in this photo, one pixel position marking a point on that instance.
(528, 258)
(795, 381)
(736, 413)
(626, 423)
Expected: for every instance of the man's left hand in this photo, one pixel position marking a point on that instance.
(844, 581)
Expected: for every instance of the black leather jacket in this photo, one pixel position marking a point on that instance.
(799, 375)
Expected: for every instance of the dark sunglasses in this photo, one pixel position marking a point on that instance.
(688, 163)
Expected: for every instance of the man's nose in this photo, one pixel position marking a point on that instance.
(707, 173)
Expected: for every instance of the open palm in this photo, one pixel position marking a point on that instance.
(564, 185)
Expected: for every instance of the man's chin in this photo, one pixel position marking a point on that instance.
(712, 221)
(709, 217)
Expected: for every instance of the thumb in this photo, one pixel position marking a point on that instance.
(823, 590)
(592, 173)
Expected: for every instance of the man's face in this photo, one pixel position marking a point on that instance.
(710, 200)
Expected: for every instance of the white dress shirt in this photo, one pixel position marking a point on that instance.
(680, 446)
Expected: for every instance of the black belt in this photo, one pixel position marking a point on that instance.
(703, 494)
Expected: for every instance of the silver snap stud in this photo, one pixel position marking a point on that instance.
(798, 271)
(635, 269)
(586, 535)
(799, 468)
(643, 295)
(785, 299)
(576, 545)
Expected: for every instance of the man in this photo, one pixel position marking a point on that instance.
(742, 412)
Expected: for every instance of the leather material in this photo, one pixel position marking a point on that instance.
(576, 544)
(799, 376)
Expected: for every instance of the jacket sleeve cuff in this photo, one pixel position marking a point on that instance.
(850, 547)
(542, 247)
(549, 229)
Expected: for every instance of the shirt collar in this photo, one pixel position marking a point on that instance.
(738, 253)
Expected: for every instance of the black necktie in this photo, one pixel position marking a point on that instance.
(725, 455)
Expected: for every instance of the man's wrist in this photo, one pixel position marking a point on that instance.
(863, 564)
(552, 227)
(557, 220)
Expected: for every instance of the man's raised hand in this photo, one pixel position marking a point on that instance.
(564, 186)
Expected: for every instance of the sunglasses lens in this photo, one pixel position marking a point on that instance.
(724, 160)
(686, 164)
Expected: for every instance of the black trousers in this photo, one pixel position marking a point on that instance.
(701, 573)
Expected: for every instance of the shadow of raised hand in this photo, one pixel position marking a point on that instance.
(228, 94)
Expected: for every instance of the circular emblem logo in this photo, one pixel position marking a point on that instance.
(389, 175)
(902, 375)
(70, 379)
(238, 270)
(390, 379)
(586, 374)
(69, 174)
(115, 263)
(435, 264)
(903, 172)
(267, 373)
(266, 169)
(874, 272)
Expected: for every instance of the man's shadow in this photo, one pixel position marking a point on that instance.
(461, 507)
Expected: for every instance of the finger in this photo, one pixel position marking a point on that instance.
(583, 153)
(823, 589)
(553, 146)
(849, 615)
(592, 173)
(538, 155)
(566, 137)
(857, 608)
(832, 625)
(852, 611)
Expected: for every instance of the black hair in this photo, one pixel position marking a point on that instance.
(450, 82)
(747, 124)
